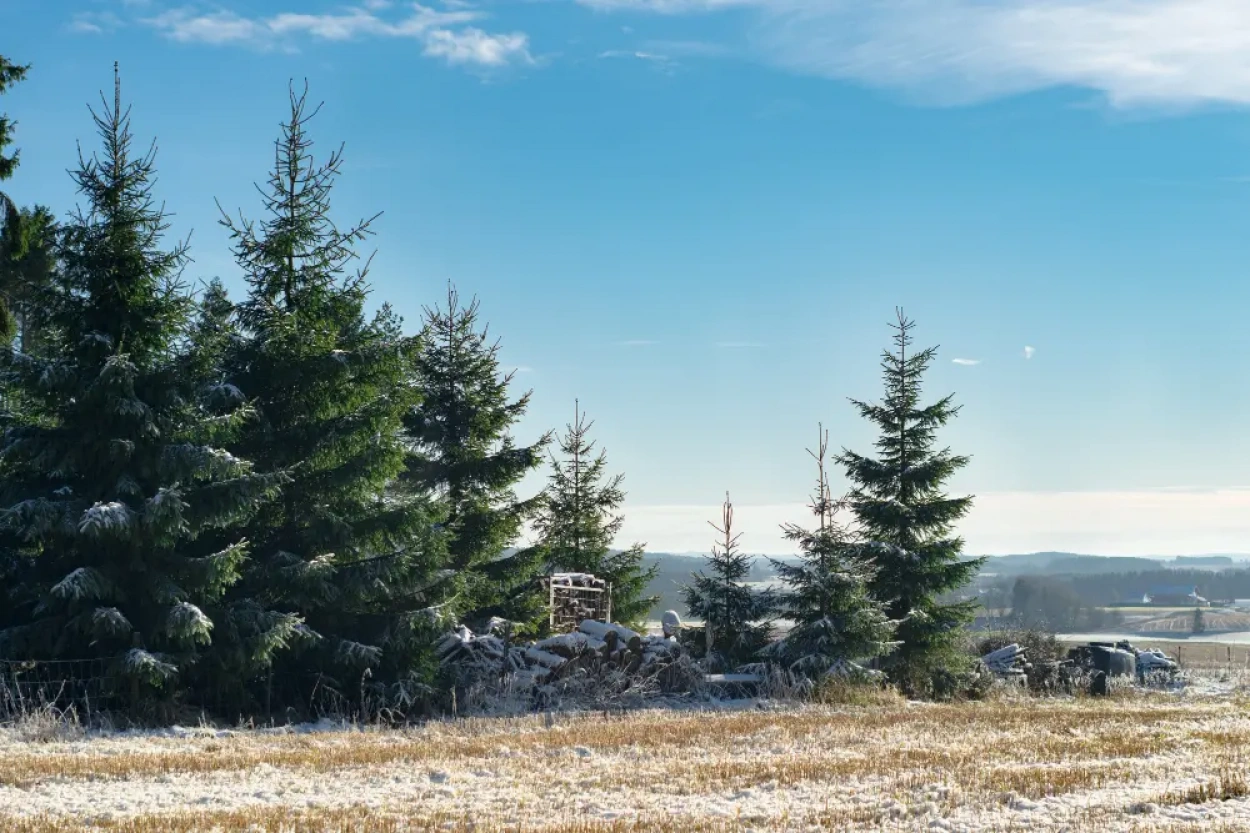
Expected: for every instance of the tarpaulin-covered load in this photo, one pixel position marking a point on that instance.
(1104, 657)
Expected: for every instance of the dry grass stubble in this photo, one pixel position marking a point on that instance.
(894, 766)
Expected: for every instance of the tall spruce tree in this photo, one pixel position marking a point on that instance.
(20, 229)
(906, 518)
(836, 618)
(343, 569)
(117, 484)
(27, 262)
(579, 523)
(10, 74)
(462, 450)
(736, 615)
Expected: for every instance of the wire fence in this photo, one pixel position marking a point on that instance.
(28, 686)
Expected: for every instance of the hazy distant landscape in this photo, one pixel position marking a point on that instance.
(1116, 583)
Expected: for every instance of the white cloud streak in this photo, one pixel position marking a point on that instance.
(1157, 53)
(740, 345)
(966, 362)
(1162, 522)
(1029, 352)
(94, 23)
(443, 34)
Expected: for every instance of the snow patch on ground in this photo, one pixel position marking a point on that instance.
(511, 781)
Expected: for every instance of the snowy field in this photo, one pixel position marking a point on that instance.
(1153, 761)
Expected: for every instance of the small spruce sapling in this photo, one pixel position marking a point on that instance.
(579, 522)
(736, 617)
(836, 618)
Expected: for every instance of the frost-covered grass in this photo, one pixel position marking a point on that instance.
(1156, 761)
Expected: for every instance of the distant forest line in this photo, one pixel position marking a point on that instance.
(1097, 581)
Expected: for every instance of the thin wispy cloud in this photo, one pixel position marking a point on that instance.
(637, 342)
(444, 34)
(663, 63)
(1172, 53)
(687, 48)
(1029, 352)
(94, 23)
(1140, 522)
(523, 369)
(966, 362)
(739, 345)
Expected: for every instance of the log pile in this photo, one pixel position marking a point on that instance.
(1008, 661)
(594, 647)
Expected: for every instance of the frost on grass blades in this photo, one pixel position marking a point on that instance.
(1147, 761)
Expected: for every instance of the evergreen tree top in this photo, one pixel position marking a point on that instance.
(462, 429)
(297, 250)
(10, 74)
(581, 520)
(124, 293)
(904, 482)
(19, 229)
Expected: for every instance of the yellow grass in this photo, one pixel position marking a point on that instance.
(887, 765)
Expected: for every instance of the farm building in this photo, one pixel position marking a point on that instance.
(1177, 596)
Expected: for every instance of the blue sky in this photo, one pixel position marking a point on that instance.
(699, 215)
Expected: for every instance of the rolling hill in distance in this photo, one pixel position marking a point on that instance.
(675, 568)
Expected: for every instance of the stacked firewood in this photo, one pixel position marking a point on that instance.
(1008, 661)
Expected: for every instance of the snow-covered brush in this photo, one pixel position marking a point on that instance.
(599, 665)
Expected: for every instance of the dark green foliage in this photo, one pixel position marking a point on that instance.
(10, 74)
(1200, 621)
(463, 451)
(907, 520)
(27, 262)
(737, 615)
(118, 492)
(14, 233)
(827, 596)
(343, 569)
(579, 523)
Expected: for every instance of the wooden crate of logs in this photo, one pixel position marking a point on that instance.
(575, 597)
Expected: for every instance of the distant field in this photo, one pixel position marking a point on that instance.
(1146, 762)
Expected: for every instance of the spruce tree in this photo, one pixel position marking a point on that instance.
(736, 615)
(579, 523)
(462, 449)
(10, 74)
(906, 518)
(836, 619)
(18, 228)
(27, 262)
(117, 482)
(343, 570)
